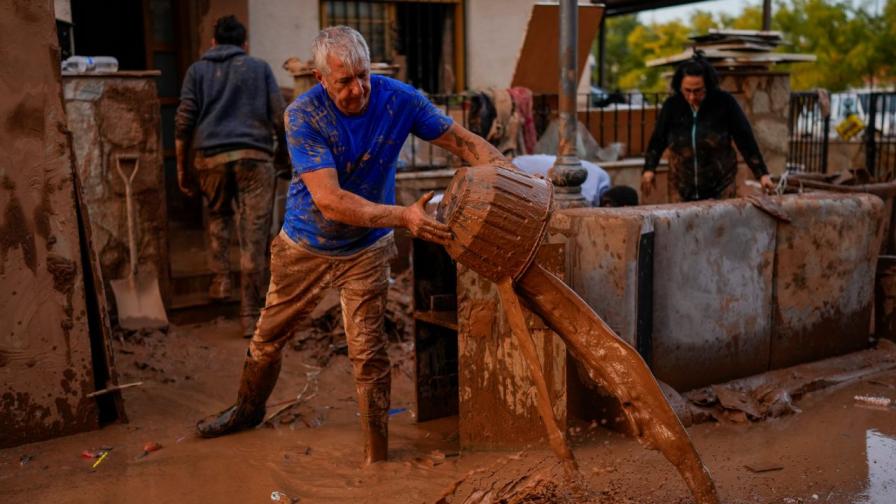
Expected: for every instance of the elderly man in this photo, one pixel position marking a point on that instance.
(344, 136)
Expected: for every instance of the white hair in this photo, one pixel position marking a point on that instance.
(343, 42)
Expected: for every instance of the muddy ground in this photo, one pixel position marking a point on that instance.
(832, 451)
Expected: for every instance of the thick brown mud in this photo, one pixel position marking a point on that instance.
(832, 449)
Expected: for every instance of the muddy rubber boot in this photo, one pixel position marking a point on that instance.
(256, 385)
(373, 404)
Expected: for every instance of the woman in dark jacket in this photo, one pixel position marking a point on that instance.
(697, 124)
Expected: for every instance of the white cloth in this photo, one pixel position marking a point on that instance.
(593, 188)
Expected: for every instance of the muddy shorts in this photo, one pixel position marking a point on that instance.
(299, 277)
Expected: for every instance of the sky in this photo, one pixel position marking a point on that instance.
(683, 12)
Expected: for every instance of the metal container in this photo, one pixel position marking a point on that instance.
(498, 216)
(885, 298)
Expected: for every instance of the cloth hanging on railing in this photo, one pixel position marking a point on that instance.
(523, 103)
(505, 131)
(482, 114)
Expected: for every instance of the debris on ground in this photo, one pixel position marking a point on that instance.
(875, 401)
(291, 410)
(773, 394)
(519, 479)
(324, 336)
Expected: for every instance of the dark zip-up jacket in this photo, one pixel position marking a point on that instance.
(230, 100)
(717, 122)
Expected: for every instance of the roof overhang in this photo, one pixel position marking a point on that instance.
(622, 7)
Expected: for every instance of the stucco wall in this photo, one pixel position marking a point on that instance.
(495, 31)
(280, 29)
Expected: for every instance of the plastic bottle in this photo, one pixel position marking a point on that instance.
(90, 64)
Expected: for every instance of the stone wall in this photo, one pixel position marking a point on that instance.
(765, 99)
(111, 116)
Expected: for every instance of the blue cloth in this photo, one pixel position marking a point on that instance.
(596, 183)
(363, 149)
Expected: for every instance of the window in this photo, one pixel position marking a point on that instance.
(424, 40)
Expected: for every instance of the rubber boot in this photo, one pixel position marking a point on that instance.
(256, 385)
(373, 404)
(252, 295)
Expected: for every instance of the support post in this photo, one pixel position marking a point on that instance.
(567, 174)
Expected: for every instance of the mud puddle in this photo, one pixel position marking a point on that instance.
(832, 449)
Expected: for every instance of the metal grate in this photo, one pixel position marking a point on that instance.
(880, 135)
(809, 131)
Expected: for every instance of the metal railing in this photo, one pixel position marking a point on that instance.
(626, 118)
(880, 135)
(873, 117)
(809, 129)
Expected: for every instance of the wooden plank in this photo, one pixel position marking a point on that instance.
(537, 66)
(111, 406)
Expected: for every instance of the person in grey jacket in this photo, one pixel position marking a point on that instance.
(231, 114)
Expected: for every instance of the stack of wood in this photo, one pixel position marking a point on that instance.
(736, 50)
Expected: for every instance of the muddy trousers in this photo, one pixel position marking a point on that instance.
(248, 185)
(299, 278)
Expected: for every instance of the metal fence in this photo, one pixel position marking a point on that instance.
(865, 120)
(627, 118)
(809, 130)
(880, 134)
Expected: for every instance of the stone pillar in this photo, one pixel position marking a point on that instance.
(111, 115)
(765, 99)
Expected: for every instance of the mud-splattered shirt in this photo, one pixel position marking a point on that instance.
(702, 161)
(363, 149)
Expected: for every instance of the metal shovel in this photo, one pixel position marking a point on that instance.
(137, 297)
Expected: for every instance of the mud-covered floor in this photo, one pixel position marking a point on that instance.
(833, 451)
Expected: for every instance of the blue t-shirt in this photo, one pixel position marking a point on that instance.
(363, 149)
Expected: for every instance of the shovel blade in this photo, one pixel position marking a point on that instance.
(139, 303)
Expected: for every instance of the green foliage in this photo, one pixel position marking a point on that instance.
(854, 41)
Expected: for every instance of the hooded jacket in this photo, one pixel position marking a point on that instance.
(704, 172)
(229, 100)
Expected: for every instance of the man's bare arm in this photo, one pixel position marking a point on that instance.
(346, 207)
(472, 148)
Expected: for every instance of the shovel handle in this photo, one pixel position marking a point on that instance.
(129, 205)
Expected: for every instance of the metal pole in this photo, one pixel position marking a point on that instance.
(567, 174)
(766, 15)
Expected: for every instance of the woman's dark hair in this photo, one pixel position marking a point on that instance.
(697, 66)
(230, 31)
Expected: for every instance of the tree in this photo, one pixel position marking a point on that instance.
(855, 44)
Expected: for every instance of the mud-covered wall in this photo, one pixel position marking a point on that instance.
(111, 116)
(498, 404)
(45, 362)
(734, 292)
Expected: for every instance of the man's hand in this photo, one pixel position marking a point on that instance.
(648, 184)
(422, 226)
(185, 181)
(767, 185)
